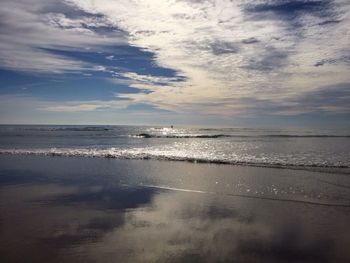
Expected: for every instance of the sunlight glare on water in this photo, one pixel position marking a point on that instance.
(228, 145)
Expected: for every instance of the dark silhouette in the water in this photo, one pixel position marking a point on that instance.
(144, 135)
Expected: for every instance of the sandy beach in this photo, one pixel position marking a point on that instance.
(58, 209)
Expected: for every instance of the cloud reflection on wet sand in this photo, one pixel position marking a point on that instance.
(48, 220)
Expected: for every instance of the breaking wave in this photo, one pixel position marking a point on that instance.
(213, 136)
(154, 154)
(179, 136)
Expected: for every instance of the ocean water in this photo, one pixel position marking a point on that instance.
(240, 146)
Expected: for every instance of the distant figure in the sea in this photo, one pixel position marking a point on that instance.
(172, 126)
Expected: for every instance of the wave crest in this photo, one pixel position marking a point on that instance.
(143, 154)
(179, 136)
(214, 136)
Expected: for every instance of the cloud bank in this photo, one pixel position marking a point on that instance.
(242, 55)
(231, 58)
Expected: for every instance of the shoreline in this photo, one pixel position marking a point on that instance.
(266, 190)
(311, 168)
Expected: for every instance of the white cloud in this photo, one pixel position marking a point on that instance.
(224, 53)
(28, 31)
(78, 106)
(228, 61)
(23, 102)
(145, 82)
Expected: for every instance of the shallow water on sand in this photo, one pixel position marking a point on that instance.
(59, 209)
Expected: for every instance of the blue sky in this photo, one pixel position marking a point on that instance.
(190, 62)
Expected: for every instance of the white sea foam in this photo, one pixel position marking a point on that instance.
(174, 154)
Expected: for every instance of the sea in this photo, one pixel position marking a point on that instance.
(284, 148)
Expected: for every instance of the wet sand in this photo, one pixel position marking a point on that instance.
(57, 209)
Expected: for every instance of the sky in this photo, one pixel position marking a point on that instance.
(182, 62)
